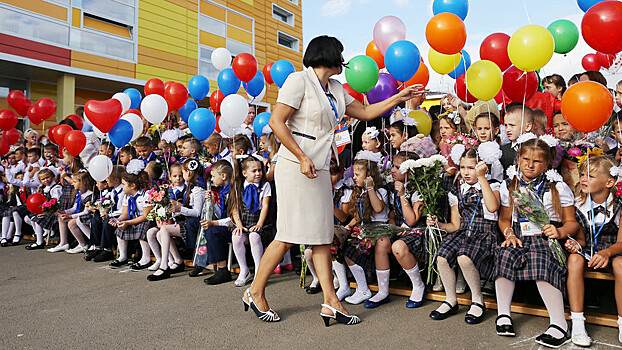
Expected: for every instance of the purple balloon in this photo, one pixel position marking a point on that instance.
(386, 87)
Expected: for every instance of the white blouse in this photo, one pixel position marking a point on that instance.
(600, 218)
(383, 216)
(141, 203)
(196, 200)
(464, 187)
(54, 190)
(566, 198)
(264, 191)
(73, 209)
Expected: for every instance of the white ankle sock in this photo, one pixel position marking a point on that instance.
(359, 277)
(418, 286)
(578, 323)
(383, 285)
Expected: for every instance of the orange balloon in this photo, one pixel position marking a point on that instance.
(373, 52)
(587, 106)
(446, 33)
(421, 77)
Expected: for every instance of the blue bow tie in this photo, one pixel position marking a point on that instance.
(175, 192)
(221, 195)
(131, 205)
(148, 159)
(78, 201)
(251, 198)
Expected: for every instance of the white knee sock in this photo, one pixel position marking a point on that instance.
(38, 232)
(472, 277)
(620, 329)
(418, 286)
(256, 249)
(6, 223)
(122, 249)
(554, 302)
(239, 249)
(342, 276)
(146, 252)
(361, 280)
(448, 277)
(287, 258)
(18, 226)
(578, 323)
(309, 260)
(505, 290)
(383, 285)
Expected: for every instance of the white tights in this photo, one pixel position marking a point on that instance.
(239, 248)
(7, 228)
(38, 229)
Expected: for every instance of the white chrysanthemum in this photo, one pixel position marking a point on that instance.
(161, 212)
(526, 137)
(511, 172)
(615, 171)
(170, 136)
(368, 155)
(407, 165)
(489, 152)
(439, 158)
(135, 166)
(554, 176)
(456, 153)
(372, 132)
(550, 140)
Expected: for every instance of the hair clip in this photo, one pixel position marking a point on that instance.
(241, 156)
(135, 166)
(489, 152)
(550, 140)
(526, 137)
(368, 155)
(193, 165)
(372, 132)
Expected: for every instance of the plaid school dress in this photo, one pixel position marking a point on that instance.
(414, 241)
(86, 218)
(476, 238)
(66, 200)
(605, 236)
(534, 260)
(250, 219)
(47, 222)
(180, 220)
(21, 210)
(134, 232)
(8, 202)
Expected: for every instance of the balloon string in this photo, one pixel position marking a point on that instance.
(168, 170)
(526, 12)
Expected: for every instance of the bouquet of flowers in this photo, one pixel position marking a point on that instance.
(530, 207)
(50, 206)
(580, 151)
(364, 237)
(461, 139)
(160, 199)
(103, 205)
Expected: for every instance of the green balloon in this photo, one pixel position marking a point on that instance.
(566, 35)
(362, 73)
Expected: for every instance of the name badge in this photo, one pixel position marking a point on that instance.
(528, 228)
(342, 137)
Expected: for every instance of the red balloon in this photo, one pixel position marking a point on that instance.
(244, 66)
(605, 60)
(51, 134)
(135, 111)
(499, 97)
(34, 202)
(154, 86)
(4, 147)
(176, 95)
(76, 119)
(495, 48)
(215, 100)
(11, 136)
(218, 124)
(34, 116)
(45, 108)
(103, 114)
(19, 102)
(461, 90)
(8, 119)
(60, 131)
(357, 95)
(266, 73)
(519, 86)
(422, 76)
(74, 142)
(167, 84)
(601, 27)
(587, 105)
(590, 62)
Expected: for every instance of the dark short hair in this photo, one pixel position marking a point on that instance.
(323, 51)
(69, 122)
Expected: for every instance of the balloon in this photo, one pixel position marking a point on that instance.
(518, 86)
(202, 122)
(74, 142)
(217, 127)
(121, 133)
(590, 62)
(259, 97)
(266, 73)
(103, 114)
(280, 70)
(154, 86)
(402, 60)
(244, 66)
(136, 122)
(446, 33)
(77, 120)
(185, 111)
(19, 102)
(388, 30)
(421, 77)
(424, 122)
(215, 100)
(463, 65)
(221, 58)
(484, 80)
(60, 132)
(357, 95)
(260, 122)
(228, 83)
(586, 4)
(587, 105)
(45, 108)
(605, 60)
(176, 96)
(460, 88)
(386, 87)
(566, 35)
(441, 63)
(51, 134)
(125, 100)
(135, 97)
(198, 87)
(459, 8)
(8, 119)
(601, 27)
(495, 48)
(373, 52)
(4, 147)
(154, 109)
(33, 116)
(256, 85)
(100, 167)
(499, 98)
(11, 136)
(234, 110)
(362, 73)
(531, 47)
(34, 202)
(225, 128)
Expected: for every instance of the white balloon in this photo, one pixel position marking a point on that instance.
(234, 110)
(125, 100)
(221, 58)
(154, 108)
(225, 129)
(100, 167)
(97, 132)
(137, 124)
(260, 97)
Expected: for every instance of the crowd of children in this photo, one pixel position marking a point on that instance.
(221, 191)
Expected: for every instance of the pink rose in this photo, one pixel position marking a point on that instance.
(202, 250)
(575, 152)
(527, 209)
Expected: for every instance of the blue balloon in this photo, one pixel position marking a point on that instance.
(280, 70)
(228, 83)
(135, 97)
(202, 123)
(198, 87)
(256, 85)
(459, 8)
(184, 112)
(465, 63)
(402, 60)
(260, 122)
(586, 4)
(121, 133)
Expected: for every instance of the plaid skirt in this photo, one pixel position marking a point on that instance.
(366, 261)
(22, 210)
(86, 218)
(5, 209)
(416, 245)
(134, 232)
(47, 222)
(65, 197)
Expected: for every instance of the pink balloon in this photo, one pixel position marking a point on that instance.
(388, 30)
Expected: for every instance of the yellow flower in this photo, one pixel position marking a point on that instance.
(153, 129)
(592, 152)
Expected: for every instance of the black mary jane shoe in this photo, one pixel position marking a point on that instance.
(313, 290)
(4, 242)
(139, 267)
(505, 330)
(91, 254)
(165, 274)
(35, 246)
(19, 239)
(472, 319)
(436, 315)
(552, 342)
(180, 267)
(115, 264)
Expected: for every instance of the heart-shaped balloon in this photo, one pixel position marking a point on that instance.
(46, 108)
(34, 116)
(103, 114)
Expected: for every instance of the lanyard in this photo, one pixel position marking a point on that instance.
(479, 199)
(528, 185)
(329, 100)
(398, 206)
(594, 232)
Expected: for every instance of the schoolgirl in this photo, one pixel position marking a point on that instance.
(52, 190)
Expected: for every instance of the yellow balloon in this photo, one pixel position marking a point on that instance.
(531, 48)
(441, 63)
(423, 120)
(484, 80)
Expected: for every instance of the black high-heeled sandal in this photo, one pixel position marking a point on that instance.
(505, 330)
(339, 317)
(268, 316)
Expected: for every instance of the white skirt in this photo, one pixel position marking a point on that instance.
(304, 206)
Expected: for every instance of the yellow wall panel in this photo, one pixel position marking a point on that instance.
(160, 45)
(239, 21)
(213, 11)
(239, 35)
(161, 28)
(76, 16)
(41, 7)
(172, 40)
(84, 95)
(101, 64)
(165, 8)
(145, 72)
(106, 27)
(212, 40)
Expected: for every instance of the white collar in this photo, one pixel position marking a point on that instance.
(225, 152)
(608, 201)
(50, 187)
(85, 194)
(246, 183)
(465, 186)
(181, 188)
(119, 188)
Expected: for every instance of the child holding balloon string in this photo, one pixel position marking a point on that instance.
(52, 190)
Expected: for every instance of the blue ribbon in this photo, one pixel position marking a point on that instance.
(251, 198)
(148, 159)
(78, 201)
(174, 193)
(223, 205)
(132, 206)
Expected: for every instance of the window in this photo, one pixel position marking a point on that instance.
(282, 15)
(295, 2)
(33, 27)
(212, 25)
(288, 41)
(112, 9)
(206, 68)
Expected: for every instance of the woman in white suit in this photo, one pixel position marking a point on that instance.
(307, 111)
